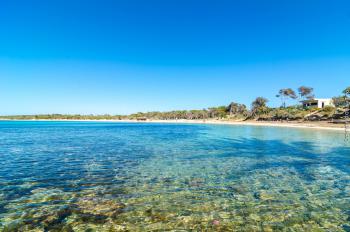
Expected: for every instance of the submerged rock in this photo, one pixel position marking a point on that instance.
(263, 196)
(92, 218)
(13, 226)
(100, 206)
(195, 182)
(55, 219)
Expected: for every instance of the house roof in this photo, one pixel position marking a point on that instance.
(309, 101)
(316, 100)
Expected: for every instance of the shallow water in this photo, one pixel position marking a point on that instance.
(86, 176)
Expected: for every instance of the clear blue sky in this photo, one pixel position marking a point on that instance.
(126, 56)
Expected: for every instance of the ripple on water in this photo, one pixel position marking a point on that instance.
(152, 177)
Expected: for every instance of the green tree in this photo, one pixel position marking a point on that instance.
(217, 112)
(235, 109)
(259, 106)
(284, 94)
(340, 101)
(346, 91)
(305, 92)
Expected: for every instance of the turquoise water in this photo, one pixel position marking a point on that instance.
(86, 176)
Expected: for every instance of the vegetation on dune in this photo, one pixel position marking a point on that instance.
(287, 113)
(237, 111)
(234, 111)
(340, 101)
(64, 117)
(259, 107)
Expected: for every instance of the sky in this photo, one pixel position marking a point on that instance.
(126, 56)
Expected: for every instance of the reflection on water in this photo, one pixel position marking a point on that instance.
(69, 176)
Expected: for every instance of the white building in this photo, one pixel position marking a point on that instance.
(318, 102)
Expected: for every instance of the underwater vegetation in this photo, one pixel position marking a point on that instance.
(137, 177)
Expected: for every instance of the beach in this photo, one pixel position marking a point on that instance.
(305, 125)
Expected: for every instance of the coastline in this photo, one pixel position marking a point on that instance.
(302, 125)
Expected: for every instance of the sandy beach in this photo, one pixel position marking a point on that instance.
(305, 125)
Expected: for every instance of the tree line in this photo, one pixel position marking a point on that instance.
(258, 109)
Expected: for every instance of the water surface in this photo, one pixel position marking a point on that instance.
(87, 176)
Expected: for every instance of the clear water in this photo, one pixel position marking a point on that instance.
(85, 176)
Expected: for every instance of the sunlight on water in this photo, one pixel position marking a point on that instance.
(83, 176)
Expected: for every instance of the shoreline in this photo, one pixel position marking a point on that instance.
(302, 125)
